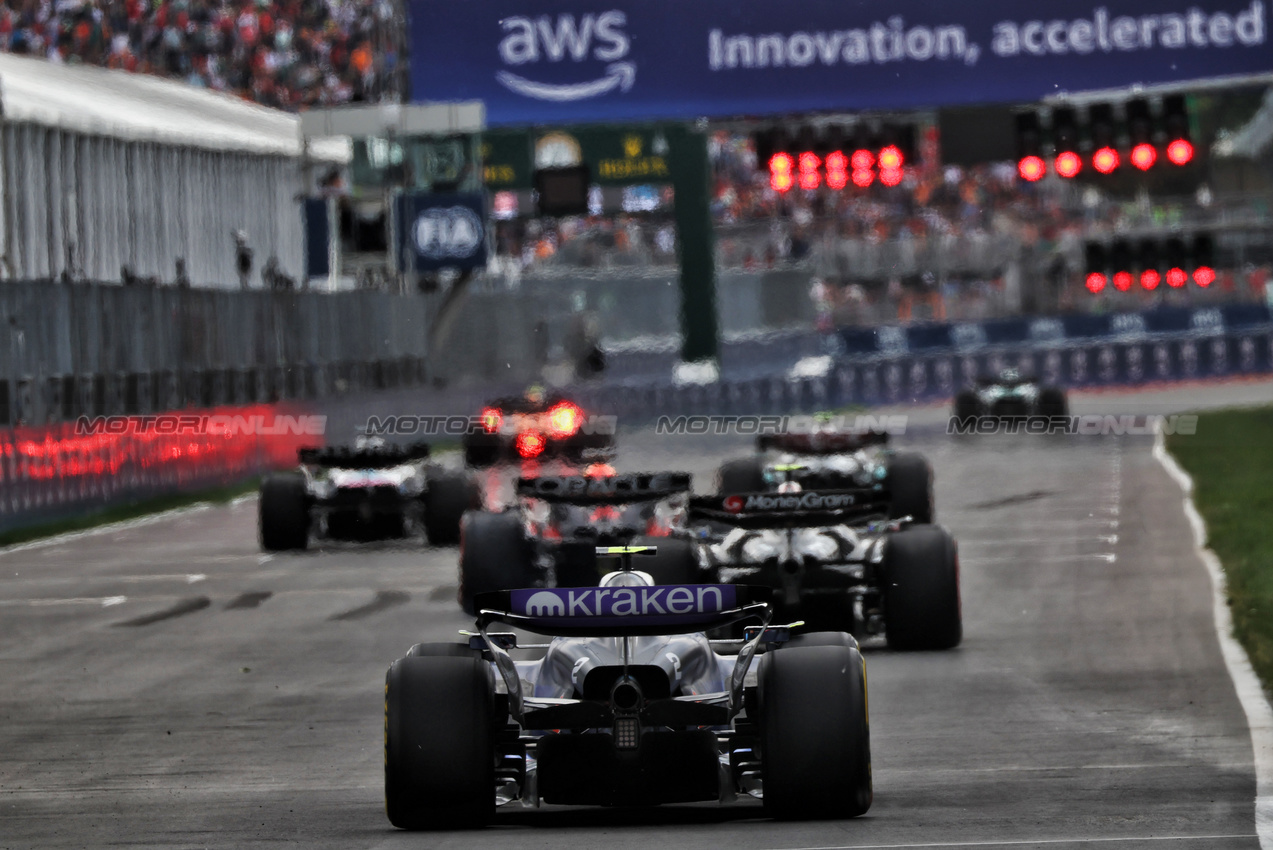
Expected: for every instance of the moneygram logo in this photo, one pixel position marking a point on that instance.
(811, 501)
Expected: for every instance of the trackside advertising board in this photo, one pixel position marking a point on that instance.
(595, 61)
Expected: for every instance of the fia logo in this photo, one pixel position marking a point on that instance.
(447, 232)
(527, 41)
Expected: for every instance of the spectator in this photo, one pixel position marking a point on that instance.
(242, 259)
(182, 280)
(289, 55)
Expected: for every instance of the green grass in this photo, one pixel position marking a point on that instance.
(127, 511)
(1231, 460)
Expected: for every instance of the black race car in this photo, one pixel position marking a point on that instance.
(836, 459)
(548, 538)
(1010, 393)
(366, 492)
(629, 704)
(836, 560)
(537, 426)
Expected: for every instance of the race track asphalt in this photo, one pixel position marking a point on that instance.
(168, 685)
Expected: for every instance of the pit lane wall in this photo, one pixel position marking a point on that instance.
(53, 472)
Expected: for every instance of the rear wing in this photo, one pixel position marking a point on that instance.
(806, 509)
(821, 442)
(605, 490)
(346, 457)
(623, 611)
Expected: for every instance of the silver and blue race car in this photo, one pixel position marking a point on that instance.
(628, 704)
(1010, 393)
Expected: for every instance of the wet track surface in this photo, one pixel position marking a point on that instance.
(169, 685)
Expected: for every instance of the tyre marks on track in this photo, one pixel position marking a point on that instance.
(251, 599)
(384, 600)
(182, 607)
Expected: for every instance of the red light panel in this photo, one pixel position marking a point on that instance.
(890, 176)
(1095, 282)
(1150, 278)
(837, 170)
(810, 177)
(1176, 277)
(1122, 281)
(862, 160)
(1068, 164)
(1105, 160)
(1204, 276)
(1032, 168)
(863, 177)
(1144, 156)
(890, 158)
(1180, 152)
(782, 172)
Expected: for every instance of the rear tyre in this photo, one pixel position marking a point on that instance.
(744, 475)
(439, 743)
(447, 497)
(843, 639)
(910, 481)
(443, 650)
(921, 590)
(283, 512)
(673, 562)
(481, 451)
(494, 555)
(815, 736)
(967, 404)
(1052, 402)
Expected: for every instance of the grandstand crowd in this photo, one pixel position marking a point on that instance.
(288, 55)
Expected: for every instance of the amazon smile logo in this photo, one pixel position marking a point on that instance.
(598, 37)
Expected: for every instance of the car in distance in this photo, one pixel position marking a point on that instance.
(536, 426)
(370, 491)
(1010, 393)
(548, 536)
(836, 560)
(834, 459)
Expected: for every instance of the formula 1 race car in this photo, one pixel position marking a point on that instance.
(548, 538)
(1010, 393)
(830, 459)
(629, 704)
(372, 491)
(537, 426)
(835, 559)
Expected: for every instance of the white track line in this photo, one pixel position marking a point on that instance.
(110, 528)
(1030, 842)
(1259, 716)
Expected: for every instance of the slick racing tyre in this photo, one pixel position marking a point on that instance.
(673, 562)
(443, 650)
(439, 743)
(822, 639)
(921, 589)
(814, 768)
(283, 512)
(494, 555)
(1052, 402)
(910, 481)
(446, 497)
(744, 475)
(967, 404)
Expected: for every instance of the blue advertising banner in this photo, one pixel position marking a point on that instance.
(441, 231)
(595, 61)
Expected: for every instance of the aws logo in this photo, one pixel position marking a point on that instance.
(601, 37)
